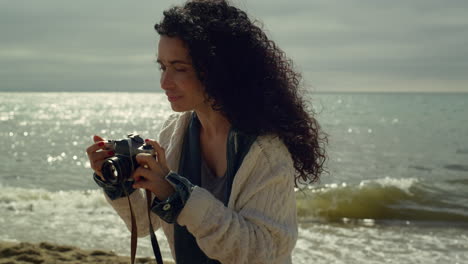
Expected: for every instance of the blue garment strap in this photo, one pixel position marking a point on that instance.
(238, 145)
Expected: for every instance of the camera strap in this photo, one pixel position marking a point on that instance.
(134, 238)
(134, 235)
(154, 241)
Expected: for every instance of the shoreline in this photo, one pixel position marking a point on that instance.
(45, 252)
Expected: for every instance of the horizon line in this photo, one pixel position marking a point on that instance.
(317, 92)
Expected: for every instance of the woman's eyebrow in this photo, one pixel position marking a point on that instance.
(172, 62)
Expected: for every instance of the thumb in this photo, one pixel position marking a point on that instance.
(97, 138)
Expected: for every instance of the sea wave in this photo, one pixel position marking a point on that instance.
(79, 218)
(19, 199)
(408, 199)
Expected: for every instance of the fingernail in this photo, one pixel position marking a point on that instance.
(146, 140)
(111, 153)
(101, 144)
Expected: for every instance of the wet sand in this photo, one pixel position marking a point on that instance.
(25, 253)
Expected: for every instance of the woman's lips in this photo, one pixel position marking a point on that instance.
(173, 98)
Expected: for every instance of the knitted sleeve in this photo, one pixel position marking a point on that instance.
(262, 226)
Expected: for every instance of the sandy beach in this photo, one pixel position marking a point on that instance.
(25, 253)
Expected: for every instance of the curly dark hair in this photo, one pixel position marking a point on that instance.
(250, 79)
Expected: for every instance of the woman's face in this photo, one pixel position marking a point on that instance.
(184, 90)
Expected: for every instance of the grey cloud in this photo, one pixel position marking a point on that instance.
(394, 40)
(339, 45)
(79, 45)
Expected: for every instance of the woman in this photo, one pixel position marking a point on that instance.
(227, 164)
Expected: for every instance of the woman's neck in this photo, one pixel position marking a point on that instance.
(213, 123)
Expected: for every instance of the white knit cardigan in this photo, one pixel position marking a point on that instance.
(259, 225)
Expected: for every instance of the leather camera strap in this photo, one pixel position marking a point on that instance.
(134, 238)
(154, 241)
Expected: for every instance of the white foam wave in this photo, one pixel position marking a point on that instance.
(403, 184)
(79, 218)
(40, 199)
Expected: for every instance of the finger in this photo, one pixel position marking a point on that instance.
(98, 146)
(95, 147)
(142, 174)
(96, 160)
(97, 138)
(149, 160)
(97, 164)
(98, 173)
(100, 155)
(161, 153)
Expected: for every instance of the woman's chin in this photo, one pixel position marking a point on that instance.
(177, 108)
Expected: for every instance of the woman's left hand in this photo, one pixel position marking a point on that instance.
(152, 171)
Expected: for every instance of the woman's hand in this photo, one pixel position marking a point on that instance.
(97, 153)
(152, 171)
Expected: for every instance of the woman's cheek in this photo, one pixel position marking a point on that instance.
(181, 77)
(187, 80)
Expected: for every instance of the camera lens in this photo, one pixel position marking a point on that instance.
(117, 169)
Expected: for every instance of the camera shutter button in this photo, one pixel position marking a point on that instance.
(166, 207)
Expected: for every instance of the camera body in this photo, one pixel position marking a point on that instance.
(119, 168)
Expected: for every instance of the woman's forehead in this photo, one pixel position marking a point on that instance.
(172, 49)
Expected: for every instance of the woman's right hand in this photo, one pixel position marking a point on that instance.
(97, 153)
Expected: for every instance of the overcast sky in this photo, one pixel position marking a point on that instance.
(347, 45)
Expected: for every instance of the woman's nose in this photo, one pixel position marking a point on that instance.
(166, 80)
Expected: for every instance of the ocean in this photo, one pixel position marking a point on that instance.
(396, 190)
